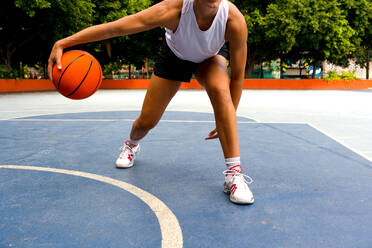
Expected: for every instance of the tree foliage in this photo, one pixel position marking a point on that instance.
(321, 30)
(127, 49)
(359, 17)
(29, 28)
(315, 30)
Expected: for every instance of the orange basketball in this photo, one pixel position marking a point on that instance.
(80, 76)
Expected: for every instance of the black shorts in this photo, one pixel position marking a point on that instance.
(169, 66)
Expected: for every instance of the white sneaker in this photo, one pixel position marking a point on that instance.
(236, 185)
(127, 155)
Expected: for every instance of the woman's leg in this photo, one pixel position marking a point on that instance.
(159, 93)
(212, 75)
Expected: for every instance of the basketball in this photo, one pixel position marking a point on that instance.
(80, 76)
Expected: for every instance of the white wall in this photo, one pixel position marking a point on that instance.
(353, 67)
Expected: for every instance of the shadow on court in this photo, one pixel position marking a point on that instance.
(309, 190)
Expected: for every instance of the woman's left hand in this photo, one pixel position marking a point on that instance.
(212, 134)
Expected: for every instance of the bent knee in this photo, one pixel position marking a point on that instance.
(146, 122)
(218, 60)
(216, 65)
(218, 86)
(218, 92)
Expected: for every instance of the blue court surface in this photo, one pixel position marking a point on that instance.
(59, 186)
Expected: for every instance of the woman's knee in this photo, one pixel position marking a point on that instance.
(146, 122)
(218, 91)
(210, 68)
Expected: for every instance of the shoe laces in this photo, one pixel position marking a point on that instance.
(238, 175)
(125, 149)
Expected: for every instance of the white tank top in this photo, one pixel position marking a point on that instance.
(192, 44)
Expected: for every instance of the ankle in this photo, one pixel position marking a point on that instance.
(131, 143)
(233, 164)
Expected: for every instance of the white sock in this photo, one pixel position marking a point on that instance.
(231, 162)
(132, 142)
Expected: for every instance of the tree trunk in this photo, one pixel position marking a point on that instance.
(261, 71)
(314, 70)
(11, 47)
(249, 68)
(130, 71)
(21, 72)
(8, 65)
(45, 70)
(368, 58)
(251, 60)
(280, 69)
(147, 68)
(8, 55)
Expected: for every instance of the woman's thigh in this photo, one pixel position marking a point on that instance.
(212, 74)
(159, 93)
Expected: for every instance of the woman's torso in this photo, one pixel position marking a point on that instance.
(195, 41)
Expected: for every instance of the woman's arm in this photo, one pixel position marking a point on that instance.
(236, 34)
(158, 15)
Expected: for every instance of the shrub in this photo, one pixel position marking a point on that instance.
(345, 75)
(5, 73)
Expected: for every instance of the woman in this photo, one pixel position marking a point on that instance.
(197, 33)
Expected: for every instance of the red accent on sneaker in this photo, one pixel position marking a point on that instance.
(129, 144)
(232, 168)
(130, 157)
(233, 188)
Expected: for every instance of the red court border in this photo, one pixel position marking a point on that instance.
(27, 85)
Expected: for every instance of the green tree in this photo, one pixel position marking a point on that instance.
(259, 48)
(308, 29)
(321, 30)
(29, 28)
(131, 49)
(359, 17)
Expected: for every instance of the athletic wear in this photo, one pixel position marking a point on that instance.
(127, 155)
(186, 48)
(232, 162)
(169, 66)
(236, 185)
(133, 142)
(190, 43)
(178, 59)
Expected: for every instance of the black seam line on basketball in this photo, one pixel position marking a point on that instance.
(99, 79)
(91, 62)
(59, 81)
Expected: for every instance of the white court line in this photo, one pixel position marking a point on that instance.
(171, 231)
(98, 111)
(132, 120)
(363, 155)
(72, 120)
(246, 116)
(360, 153)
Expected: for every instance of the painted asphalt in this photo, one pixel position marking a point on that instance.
(310, 190)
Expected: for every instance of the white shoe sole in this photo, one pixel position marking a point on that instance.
(124, 166)
(120, 166)
(226, 190)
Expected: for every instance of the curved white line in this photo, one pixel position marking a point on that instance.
(170, 229)
(122, 120)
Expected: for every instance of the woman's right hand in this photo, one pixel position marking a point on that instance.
(55, 58)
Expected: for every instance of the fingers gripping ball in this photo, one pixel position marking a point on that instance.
(80, 76)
